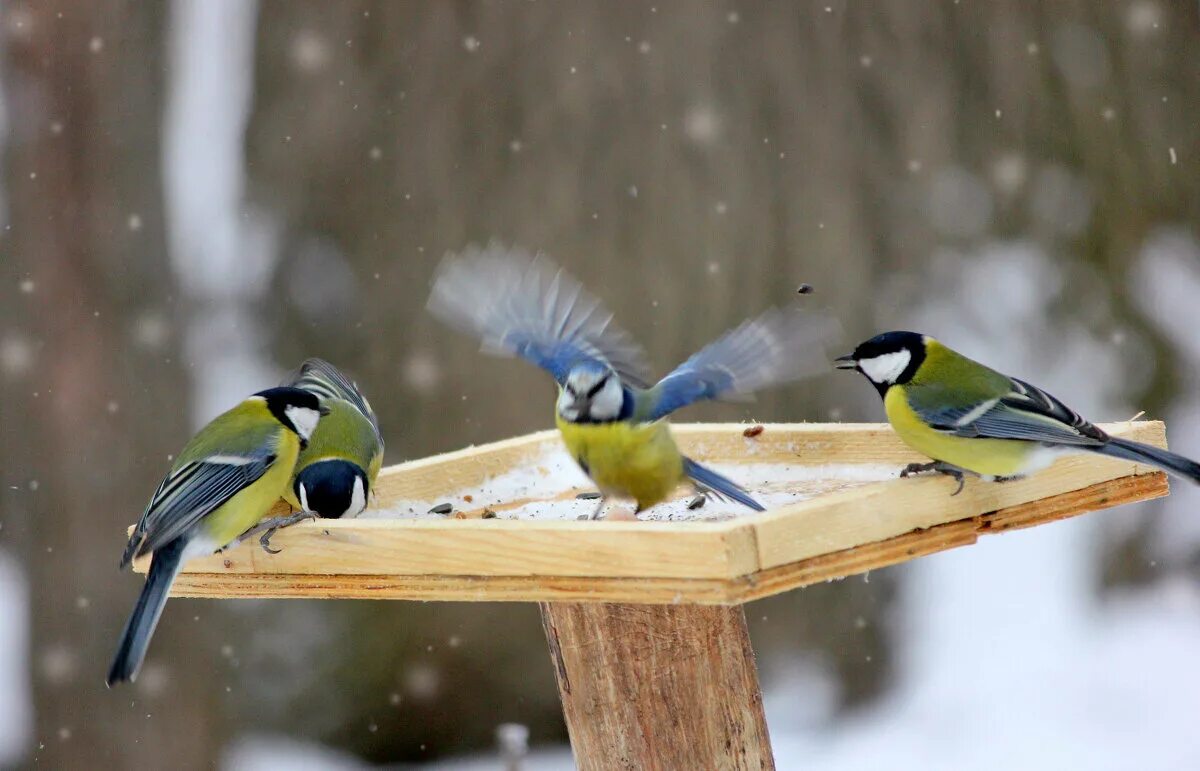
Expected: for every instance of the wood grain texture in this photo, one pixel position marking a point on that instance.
(835, 534)
(657, 687)
(650, 590)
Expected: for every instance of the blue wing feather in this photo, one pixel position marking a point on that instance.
(188, 494)
(328, 382)
(1026, 412)
(779, 346)
(522, 305)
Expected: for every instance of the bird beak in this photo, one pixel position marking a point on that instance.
(846, 362)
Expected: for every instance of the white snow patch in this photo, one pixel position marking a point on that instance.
(544, 489)
(16, 691)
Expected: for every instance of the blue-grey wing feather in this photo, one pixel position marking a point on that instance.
(190, 493)
(519, 304)
(328, 382)
(780, 346)
(1026, 412)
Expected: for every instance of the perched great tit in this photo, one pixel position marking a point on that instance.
(336, 471)
(225, 479)
(612, 422)
(972, 419)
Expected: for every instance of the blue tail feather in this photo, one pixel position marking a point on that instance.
(1154, 456)
(721, 486)
(131, 650)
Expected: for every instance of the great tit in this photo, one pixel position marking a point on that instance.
(972, 419)
(225, 479)
(336, 471)
(611, 420)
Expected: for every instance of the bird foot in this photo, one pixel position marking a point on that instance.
(942, 468)
(268, 527)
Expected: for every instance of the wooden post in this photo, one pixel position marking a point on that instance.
(658, 686)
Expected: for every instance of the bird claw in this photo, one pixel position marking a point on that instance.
(268, 528)
(941, 468)
(917, 468)
(265, 541)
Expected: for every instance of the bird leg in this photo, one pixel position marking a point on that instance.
(957, 473)
(268, 527)
(599, 508)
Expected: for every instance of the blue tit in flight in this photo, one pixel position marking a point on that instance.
(225, 479)
(972, 419)
(612, 421)
(336, 472)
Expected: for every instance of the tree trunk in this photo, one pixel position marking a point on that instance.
(93, 393)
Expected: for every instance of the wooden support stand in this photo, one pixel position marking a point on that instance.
(657, 686)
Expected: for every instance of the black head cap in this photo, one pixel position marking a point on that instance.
(295, 408)
(332, 488)
(887, 359)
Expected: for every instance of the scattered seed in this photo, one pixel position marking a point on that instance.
(468, 498)
(489, 514)
(442, 508)
(753, 431)
(696, 502)
(590, 496)
(228, 564)
(459, 515)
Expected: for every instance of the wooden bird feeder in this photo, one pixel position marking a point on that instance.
(643, 619)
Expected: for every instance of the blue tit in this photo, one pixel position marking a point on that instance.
(225, 479)
(336, 472)
(972, 419)
(612, 421)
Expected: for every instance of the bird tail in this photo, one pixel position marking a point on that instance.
(140, 627)
(721, 486)
(1155, 456)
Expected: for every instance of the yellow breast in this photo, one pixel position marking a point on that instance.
(630, 460)
(989, 457)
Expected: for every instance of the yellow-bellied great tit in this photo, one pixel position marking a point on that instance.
(225, 479)
(611, 420)
(970, 418)
(336, 471)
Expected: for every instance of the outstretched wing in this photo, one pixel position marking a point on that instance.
(188, 494)
(328, 382)
(518, 304)
(1025, 412)
(782, 345)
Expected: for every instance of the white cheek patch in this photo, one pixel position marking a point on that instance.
(358, 499)
(304, 419)
(885, 368)
(607, 404)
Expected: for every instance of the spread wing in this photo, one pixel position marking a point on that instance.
(191, 492)
(1025, 412)
(328, 382)
(779, 346)
(522, 305)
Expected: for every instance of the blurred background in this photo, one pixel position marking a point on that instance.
(198, 194)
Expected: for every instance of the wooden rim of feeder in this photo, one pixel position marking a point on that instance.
(728, 562)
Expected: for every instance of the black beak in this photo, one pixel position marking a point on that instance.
(846, 362)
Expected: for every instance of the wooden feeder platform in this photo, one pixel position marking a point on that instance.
(642, 618)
